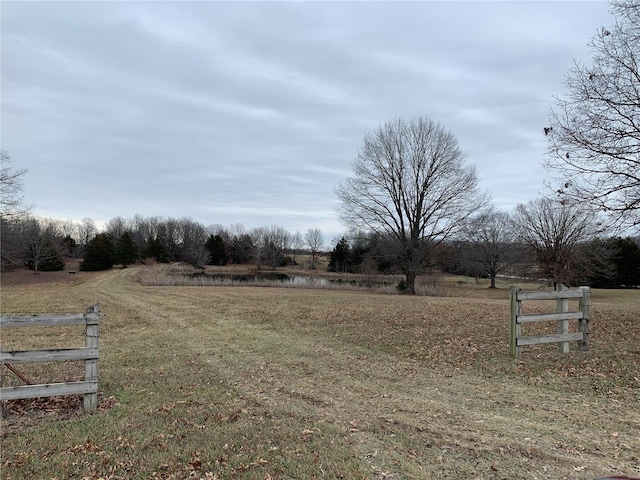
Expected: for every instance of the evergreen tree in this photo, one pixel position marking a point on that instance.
(360, 250)
(155, 249)
(217, 250)
(617, 262)
(241, 249)
(599, 262)
(339, 260)
(628, 263)
(126, 250)
(69, 246)
(99, 254)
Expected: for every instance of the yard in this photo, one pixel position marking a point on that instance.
(258, 383)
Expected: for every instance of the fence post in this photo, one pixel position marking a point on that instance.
(92, 319)
(516, 328)
(563, 325)
(583, 323)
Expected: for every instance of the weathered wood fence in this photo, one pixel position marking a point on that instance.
(562, 316)
(88, 353)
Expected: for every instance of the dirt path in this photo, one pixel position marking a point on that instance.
(441, 408)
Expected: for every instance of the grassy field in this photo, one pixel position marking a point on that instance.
(268, 383)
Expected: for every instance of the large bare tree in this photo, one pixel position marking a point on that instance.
(556, 234)
(594, 135)
(86, 230)
(491, 242)
(411, 186)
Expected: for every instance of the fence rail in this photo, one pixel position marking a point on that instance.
(89, 354)
(562, 316)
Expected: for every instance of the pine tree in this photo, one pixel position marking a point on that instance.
(628, 263)
(69, 246)
(126, 250)
(217, 250)
(99, 254)
(339, 260)
(155, 249)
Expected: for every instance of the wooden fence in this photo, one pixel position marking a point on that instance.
(562, 316)
(88, 353)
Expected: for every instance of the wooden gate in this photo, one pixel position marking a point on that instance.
(562, 316)
(88, 353)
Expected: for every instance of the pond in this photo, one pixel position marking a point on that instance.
(293, 280)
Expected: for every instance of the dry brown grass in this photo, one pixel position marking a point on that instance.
(230, 382)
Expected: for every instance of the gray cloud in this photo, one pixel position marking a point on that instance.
(251, 112)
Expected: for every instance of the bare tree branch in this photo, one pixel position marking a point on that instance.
(491, 237)
(11, 200)
(315, 240)
(411, 186)
(555, 233)
(594, 132)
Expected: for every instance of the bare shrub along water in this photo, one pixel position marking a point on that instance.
(163, 275)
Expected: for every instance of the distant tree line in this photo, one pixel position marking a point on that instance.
(563, 246)
(42, 244)
(546, 238)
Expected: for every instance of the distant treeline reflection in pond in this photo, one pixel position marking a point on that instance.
(293, 280)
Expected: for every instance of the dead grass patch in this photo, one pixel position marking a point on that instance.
(217, 382)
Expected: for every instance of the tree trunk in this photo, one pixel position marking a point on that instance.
(410, 287)
(493, 282)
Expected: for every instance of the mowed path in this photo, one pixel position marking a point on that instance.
(405, 417)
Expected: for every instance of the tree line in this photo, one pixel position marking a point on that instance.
(540, 239)
(42, 244)
(496, 244)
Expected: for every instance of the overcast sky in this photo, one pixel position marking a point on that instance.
(252, 112)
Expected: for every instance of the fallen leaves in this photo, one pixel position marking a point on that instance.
(398, 376)
(20, 414)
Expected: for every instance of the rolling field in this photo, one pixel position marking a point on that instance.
(269, 383)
